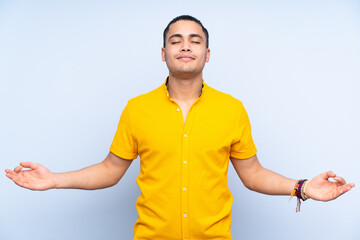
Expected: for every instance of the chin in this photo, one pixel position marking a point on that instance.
(185, 74)
(186, 69)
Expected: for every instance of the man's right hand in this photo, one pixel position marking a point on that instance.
(37, 177)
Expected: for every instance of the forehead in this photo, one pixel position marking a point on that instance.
(185, 27)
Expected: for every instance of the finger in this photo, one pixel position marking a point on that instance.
(18, 169)
(10, 172)
(29, 165)
(13, 176)
(327, 175)
(340, 180)
(17, 180)
(345, 188)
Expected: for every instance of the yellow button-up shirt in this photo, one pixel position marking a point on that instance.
(183, 176)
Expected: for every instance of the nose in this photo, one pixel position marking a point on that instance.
(185, 47)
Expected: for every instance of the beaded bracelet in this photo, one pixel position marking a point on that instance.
(299, 192)
(303, 195)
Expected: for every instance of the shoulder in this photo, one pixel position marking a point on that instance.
(223, 98)
(146, 99)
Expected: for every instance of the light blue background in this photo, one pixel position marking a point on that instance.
(67, 69)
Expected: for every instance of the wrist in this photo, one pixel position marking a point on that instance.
(304, 196)
(58, 180)
(299, 192)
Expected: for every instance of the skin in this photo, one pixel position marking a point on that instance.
(102, 175)
(185, 54)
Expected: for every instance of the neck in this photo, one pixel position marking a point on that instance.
(184, 89)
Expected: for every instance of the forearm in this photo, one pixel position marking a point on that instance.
(93, 177)
(269, 182)
(260, 179)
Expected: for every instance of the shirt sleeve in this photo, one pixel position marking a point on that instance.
(124, 144)
(243, 145)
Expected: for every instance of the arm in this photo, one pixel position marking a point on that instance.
(262, 180)
(101, 175)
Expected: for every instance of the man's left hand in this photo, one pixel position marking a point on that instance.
(321, 189)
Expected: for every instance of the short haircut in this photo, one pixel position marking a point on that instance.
(187, 18)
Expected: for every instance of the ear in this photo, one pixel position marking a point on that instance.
(163, 54)
(207, 55)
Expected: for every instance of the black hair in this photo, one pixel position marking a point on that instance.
(188, 18)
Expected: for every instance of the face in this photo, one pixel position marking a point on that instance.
(185, 51)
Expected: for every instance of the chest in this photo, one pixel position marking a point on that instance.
(183, 128)
(185, 108)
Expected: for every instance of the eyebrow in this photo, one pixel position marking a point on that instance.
(191, 36)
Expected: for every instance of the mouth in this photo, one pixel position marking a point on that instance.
(185, 58)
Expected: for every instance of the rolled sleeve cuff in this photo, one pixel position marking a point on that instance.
(123, 154)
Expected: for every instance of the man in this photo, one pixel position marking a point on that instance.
(185, 132)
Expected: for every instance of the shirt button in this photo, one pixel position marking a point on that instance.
(185, 215)
(185, 162)
(178, 109)
(185, 135)
(184, 188)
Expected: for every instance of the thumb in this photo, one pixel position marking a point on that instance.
(327, 175)
(29, 165)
